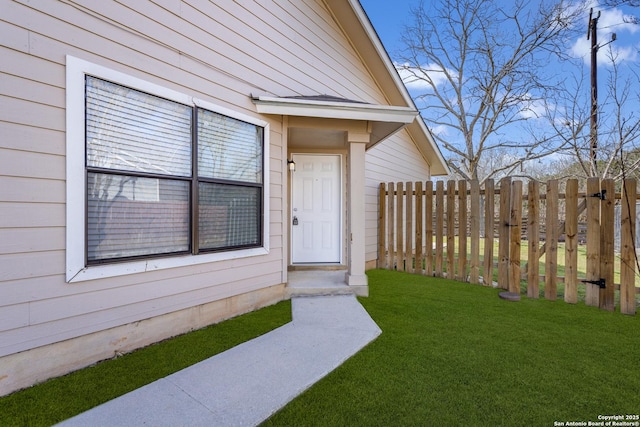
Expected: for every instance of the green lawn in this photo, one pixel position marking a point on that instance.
(524, 253)
(61, 398)
(450, 354)
(455, 354)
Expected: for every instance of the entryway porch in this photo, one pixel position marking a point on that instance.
(313, 280)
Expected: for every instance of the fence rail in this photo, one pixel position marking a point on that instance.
(502, 236)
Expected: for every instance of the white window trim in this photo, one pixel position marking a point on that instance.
(76, 271)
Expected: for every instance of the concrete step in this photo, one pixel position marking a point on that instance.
(317, 283)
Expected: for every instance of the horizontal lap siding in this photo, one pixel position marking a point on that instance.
(331, 64)
(37, 307)
(396, 159)
(219, 52)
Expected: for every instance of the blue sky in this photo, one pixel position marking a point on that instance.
(390, 16)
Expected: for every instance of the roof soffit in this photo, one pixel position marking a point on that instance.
(374, 56)
(384, 120)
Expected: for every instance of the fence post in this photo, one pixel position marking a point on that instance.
(462, 231)
(533, 234)
(439, 228)
(409, 228)
(607, 254)
(391, 222)
(592, 295)
(515, 224)
(503, 233)
(551, 242)
(419, 220)
(382, 230)
(474, 221)
(451, 229)
(627, 248)
(489, 200)
(428, 232)
(399, 218)
(571, 243)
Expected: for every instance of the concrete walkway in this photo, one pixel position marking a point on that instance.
(245, 385)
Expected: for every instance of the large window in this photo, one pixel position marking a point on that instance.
(167, 178)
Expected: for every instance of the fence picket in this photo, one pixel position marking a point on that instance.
(607, 245)
(627, 247)
(515, 224)
(533, 234)
(571, 243)
(474, 222)
(551, 240)
(592, 295)
(419, 257)
(489, 200)
(503, 233)
(462, 231)
(382, 229)
(428, 232)
(399, 217)
(392, 226)
(439, 228)
(451, 229)
(408, 241)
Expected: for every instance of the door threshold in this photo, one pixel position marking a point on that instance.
(320, 267)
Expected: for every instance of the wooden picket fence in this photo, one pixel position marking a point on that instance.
(425, 228)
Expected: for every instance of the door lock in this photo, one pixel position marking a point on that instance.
(295, 220)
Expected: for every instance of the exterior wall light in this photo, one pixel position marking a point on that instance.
(292, 165)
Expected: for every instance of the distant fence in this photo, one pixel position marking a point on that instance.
(449, 229)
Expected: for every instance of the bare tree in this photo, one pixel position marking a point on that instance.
(616, 3)
(481, 65)
(618, 136)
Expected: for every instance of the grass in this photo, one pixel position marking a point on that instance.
(455, 354)
(524, 253)
(61, 398)
(450, 354)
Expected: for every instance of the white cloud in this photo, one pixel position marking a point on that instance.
(613, 20)
(533, 109)
(610, 21)
(440, 130)
(418, 77)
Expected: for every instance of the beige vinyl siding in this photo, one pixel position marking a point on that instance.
(221, 53)
(395, 159)
(37, 306)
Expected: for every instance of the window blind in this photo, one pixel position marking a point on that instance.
(229, 216)
(132, 216)
(140, 177)
(228, 148)
(133, 131)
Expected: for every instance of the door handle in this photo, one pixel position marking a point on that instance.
(295, 220)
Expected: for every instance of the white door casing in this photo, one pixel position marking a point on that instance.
(316, 204)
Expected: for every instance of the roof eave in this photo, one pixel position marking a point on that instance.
(334, 110)
(428, 148)
(387, 76)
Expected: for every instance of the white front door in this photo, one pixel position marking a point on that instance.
(315, 209)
